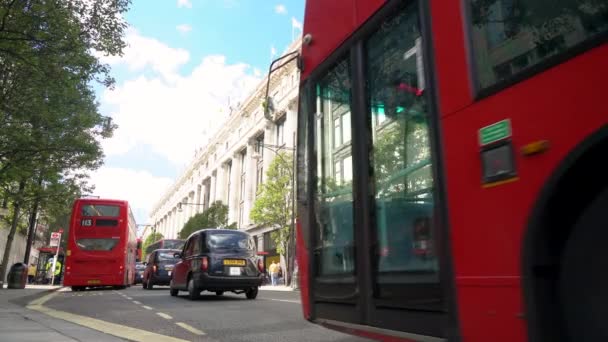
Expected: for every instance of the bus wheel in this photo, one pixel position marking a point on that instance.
(583, 280)
(77, 288)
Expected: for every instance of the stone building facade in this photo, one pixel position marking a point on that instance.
(233, 164)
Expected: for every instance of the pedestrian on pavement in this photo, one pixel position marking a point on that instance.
(274, 273)
(31, 273)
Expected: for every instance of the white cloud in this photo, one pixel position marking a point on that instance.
(184, 3)
(143, 52)
(280, 9)
(140, 188)
(168, 111)
(295, 23)
(184, 28)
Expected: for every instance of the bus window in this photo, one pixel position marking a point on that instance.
(333, 204)
(100, 210)
(400, 156)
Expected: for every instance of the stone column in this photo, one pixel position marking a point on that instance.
(249, 181)
(213, 186)
(219, 184)
(198, 202)
(233, 206)
(269, 138)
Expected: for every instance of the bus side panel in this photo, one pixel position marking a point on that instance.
(450, 56)
(561, 105)
(330, 23)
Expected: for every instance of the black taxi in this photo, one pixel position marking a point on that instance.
(218, 260)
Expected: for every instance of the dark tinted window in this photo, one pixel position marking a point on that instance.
(97, 244)
(510, 36)
(230, 240)
(100, 210)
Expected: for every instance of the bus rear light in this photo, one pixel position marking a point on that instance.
(120, 267)
(261, 265)
(204, 264)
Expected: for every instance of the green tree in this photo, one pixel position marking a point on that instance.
(152, 238)
(274, 205)
(216, 216)
(50, 125)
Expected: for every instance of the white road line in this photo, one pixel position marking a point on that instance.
(164, 315)
(283, 300)
(190, 328)
(136, 302)
(147, 307)
(129, 298)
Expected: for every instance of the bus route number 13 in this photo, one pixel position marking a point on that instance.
(86, 222)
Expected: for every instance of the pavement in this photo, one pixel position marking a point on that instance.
(18, 323)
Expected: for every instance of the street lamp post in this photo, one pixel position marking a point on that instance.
(291, 242)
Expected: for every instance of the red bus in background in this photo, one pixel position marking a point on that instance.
(165, 244)
(102, 244)
(139, 250)
(451, 175)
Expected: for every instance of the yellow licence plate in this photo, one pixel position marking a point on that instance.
(91, 282)
(233, 262)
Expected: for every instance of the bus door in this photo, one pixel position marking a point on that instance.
(372, 221)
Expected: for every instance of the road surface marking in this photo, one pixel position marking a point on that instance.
(118, 330)
(136, 302)
(283, 300)
(190, 328)
(129, 298)
(164, 315)
(147, 307)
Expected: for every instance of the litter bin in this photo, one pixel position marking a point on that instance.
(17, 276)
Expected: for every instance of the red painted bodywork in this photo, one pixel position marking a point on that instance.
(562, 105)
(115, 267)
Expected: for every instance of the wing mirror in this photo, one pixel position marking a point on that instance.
(177, 255)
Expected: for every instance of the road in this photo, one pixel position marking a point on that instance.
(132, 313)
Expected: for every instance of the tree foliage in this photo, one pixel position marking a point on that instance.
(273, 205)
(216, 216)
(50, 125)
(152, 238)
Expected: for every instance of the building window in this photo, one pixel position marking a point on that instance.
(281, 131)
(259, 170)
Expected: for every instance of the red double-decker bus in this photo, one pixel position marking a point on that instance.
(102, 244)
(451, 174)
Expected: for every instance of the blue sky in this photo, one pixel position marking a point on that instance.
(186, 62)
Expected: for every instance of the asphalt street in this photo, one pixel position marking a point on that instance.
(134, 312)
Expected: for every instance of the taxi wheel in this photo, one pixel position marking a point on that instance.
(193, 292)
(173, 292)
(252, 293)
(219, 293)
